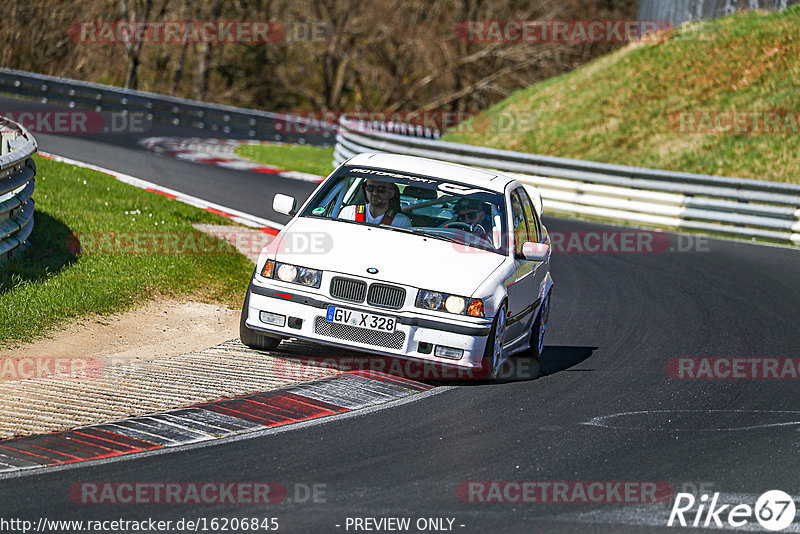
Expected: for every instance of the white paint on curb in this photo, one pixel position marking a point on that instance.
(220, 152)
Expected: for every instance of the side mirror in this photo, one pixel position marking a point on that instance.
(284, 204)
(535, 251)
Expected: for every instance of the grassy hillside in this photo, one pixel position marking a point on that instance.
(625, 107)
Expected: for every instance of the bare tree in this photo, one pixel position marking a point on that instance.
(139, 11)
(383, 55)
(201, 74)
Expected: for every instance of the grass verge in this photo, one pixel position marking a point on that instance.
(302, 158)
(52, 283)
(630, 107)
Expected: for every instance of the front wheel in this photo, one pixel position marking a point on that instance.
(251, 338)
(493, 354)
(540, 329)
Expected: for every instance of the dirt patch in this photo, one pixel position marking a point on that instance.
(159, 328)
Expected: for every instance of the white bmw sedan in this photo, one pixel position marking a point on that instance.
(407, 257)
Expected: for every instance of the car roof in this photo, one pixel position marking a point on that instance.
(434, 168)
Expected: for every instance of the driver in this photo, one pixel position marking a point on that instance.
(470, 212)
(383, 206)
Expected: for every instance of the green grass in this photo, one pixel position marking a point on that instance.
(49, 285)
(303, 158)
(622, 107)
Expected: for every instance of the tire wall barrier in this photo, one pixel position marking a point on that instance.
(17, 171)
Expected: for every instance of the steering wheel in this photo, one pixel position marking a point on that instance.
(474, 229)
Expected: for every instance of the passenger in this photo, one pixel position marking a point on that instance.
(383, 206)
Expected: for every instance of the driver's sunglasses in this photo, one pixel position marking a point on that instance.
(380, 189)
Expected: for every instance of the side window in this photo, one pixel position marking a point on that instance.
(518, 222)
(534, 229)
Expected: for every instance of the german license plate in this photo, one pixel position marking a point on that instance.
(360, 319)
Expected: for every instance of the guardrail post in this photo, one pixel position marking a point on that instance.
(796, 229)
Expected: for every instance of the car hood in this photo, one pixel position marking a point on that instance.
(400, 258)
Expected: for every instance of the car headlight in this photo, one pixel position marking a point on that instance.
(434, 300)
(309, 277)
(287, 273)
(293, 274)
(430, 299)
(455, 304)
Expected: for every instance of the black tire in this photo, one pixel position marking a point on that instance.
(539, 329)
(251, 338)
(490, 365)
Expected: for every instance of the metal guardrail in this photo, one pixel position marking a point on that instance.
(735, 206)
(676, 12)
(17, 170)
(227, 119)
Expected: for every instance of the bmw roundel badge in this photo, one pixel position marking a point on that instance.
(372, 270)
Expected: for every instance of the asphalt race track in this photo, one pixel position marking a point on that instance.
(603, 409)
(120, 152)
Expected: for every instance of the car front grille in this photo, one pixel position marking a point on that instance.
(391, 340)
(348, 289)
(386, 296)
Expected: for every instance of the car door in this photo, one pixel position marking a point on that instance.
(521, 285)
(535, 235)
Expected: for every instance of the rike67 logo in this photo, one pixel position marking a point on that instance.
(774, 510)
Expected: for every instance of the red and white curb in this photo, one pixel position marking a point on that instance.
(341, 393)
(265, 225)
(219, 152)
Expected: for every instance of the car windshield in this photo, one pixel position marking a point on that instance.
(413, 203)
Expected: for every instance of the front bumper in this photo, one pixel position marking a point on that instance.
(305, 319)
